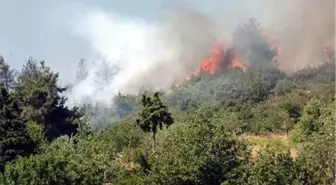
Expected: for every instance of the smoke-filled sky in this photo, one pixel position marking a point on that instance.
(152, 41)
(42, 29)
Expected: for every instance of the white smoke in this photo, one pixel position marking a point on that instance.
(150, 56)
(122, 42)
(155, 55)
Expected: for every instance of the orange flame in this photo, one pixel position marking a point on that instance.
(220, 61)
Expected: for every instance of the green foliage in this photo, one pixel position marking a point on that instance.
(124, 134)
(314, 114)
(259, 84)
(14, 138)
(204, 88)
(197, 152)
(284, 86)
(36, 132)
(218, 119)
(39, 96)
(272, 169)
(309, 122)
(64, 162)
(316, 133)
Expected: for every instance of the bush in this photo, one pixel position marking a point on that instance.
(198, 152)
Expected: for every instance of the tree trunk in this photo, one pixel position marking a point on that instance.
(153, 142)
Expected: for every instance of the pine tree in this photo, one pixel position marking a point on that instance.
(14, 138)
(40, 98)
(154, 115)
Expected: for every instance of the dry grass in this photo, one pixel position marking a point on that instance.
(268, 136)
(258, 142)
(126, 164)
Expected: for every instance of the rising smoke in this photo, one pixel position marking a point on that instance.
(305, 28)
(147, 56)
(144, 55)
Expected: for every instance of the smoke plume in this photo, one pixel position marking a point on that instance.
(143, 55)
(306, 27)
(146, 56)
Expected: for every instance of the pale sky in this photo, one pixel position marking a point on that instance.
(39, 28)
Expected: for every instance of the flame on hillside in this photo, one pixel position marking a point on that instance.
(251, 44)
(219, 61)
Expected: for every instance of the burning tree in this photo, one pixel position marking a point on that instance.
(220, 60)
(251, 45)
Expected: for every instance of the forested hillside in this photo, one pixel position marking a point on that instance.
(255, 127)
(229, 122)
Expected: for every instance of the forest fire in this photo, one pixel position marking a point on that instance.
(220, 60)
(251, 44)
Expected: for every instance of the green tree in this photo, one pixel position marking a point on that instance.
(259, 83)
(39, 97)
(14, 138)
(256, 90)
(272, 169)
(64, 161)
(310, 122)
(154, 115)
(199, 152)
(317, 148)
(284, 87)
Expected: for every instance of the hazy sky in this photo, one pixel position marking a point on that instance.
(40, 28)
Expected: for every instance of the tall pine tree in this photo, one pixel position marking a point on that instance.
(14, 138)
